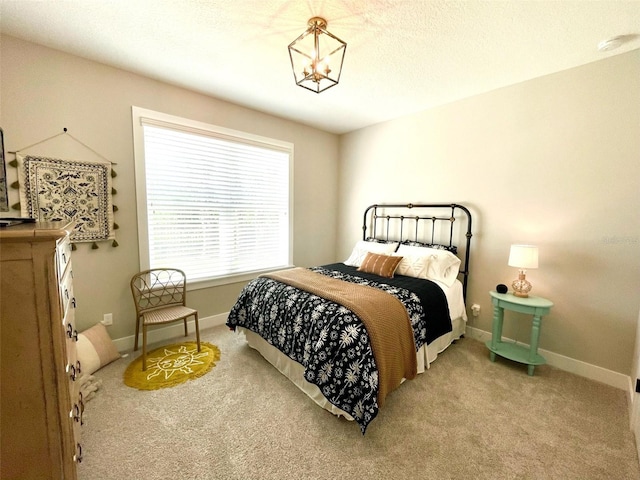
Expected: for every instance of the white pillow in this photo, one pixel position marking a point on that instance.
(362, 247)
(442, 266)
(413, 265)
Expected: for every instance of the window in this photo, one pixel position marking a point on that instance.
(213, 202)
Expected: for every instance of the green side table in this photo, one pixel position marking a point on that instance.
(536, 306)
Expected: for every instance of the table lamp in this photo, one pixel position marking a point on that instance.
(523, 257)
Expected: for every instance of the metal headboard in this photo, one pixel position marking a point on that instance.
(431, 223)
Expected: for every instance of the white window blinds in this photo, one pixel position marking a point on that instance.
(216, 205)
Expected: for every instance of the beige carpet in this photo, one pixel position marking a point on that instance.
(466, 418)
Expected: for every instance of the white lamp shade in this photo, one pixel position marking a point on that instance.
(523, 256)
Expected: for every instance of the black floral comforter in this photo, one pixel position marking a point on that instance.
(328, 340)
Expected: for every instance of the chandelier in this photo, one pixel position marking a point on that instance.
(316, 57)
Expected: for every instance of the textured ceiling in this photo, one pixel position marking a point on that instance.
(403, 56)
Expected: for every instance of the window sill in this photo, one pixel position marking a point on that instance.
(229, 279)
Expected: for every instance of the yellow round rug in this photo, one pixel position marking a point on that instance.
(171, 365)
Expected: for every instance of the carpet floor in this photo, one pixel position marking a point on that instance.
(465, 418)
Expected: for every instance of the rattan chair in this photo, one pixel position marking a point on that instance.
(160, 297)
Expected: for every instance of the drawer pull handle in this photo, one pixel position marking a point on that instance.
(64, 258)
(81, 409)
(76, 412)
(71, 333)
(78, 456)
(78, 367)
(66, 293)
(73, 371)
(73, 302)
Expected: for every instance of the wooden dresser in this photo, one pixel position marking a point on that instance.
(40, 401)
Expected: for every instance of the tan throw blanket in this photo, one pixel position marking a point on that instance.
(382, 314)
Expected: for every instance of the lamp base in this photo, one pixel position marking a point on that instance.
(521, 287)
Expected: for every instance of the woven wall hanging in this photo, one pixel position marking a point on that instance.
(54, 189)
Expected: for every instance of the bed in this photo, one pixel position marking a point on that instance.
(349, 333)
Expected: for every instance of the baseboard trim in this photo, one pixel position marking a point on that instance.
(587, 370)
(174, 330)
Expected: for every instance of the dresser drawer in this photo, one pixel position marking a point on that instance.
(66, 290)
(76, 413)
(76, 418)
(72, 365)
(77, 407)
(63, 255)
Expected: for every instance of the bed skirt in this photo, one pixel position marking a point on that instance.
(295, 372)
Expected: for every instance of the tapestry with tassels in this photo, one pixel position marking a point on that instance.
(53, 189)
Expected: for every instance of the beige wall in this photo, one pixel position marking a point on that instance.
(43, 91)
(569, 144)
(554, 161)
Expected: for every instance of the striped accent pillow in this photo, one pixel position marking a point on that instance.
(382, 265)
(95, 349)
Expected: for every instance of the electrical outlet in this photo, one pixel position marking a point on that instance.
(107, 319)
(475, 309)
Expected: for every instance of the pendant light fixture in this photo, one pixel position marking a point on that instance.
(316, 57)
